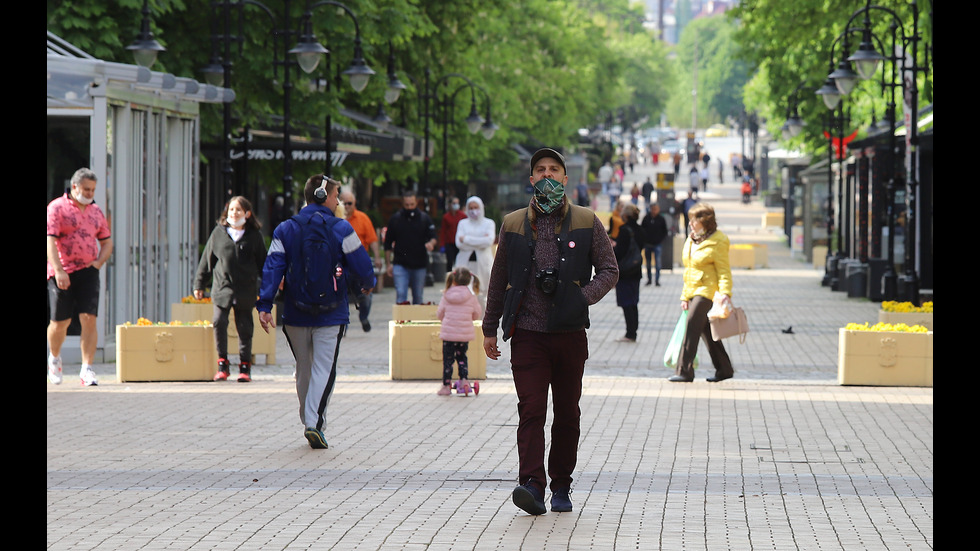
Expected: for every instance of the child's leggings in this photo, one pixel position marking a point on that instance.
(454, 351)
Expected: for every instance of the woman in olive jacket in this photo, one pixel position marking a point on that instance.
(706, 270)
(231, 265)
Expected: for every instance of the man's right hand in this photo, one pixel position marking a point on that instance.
(266, 321)
(62, 279)
(490, 347)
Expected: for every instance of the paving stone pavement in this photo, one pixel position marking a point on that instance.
(780, 457)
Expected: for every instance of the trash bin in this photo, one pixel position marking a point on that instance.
(839, 281)
(876, 271)
(437, 268)
(857, 279)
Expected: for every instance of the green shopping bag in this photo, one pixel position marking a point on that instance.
(676, 342)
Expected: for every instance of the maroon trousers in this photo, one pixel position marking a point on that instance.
(539, 361)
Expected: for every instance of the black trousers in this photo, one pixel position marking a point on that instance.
(698, 328)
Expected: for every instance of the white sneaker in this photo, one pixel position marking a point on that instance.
(88, 376)
(54, 369)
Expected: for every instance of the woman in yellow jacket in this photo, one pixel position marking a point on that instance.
(706, 270)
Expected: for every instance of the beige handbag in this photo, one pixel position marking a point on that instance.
(735, 324)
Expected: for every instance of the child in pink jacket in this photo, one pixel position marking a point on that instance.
(457, 310)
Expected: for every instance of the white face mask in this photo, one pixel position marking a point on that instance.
(81, 198)
(235, 222)
(473, 213)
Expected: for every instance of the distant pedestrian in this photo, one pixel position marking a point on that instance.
(635, 194)
(694, 179)
(704, 178)
(458, 309)
(474, 239)
(686, 205)
(447, 232)
(582, 194)
(647, 191)
(628, 286)
(410, 237)
(364, 228)
(654, 228)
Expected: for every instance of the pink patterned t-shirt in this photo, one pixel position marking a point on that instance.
(78, 232)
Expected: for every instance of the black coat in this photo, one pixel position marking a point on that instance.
(632, 231)
(654, 229)
(232, 269)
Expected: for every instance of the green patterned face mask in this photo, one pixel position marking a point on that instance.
(548, 194)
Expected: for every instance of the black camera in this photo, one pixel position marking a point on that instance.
(547, 280)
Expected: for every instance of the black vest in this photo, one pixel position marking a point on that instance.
(568, 310)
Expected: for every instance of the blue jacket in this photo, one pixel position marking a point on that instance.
(355, 260)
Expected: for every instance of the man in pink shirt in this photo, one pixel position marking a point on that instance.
(79, 244)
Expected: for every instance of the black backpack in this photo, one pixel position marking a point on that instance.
(316, 282)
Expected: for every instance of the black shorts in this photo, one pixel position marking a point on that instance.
(82, 296)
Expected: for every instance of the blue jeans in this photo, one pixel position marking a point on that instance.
(405, 278)
(656, 250)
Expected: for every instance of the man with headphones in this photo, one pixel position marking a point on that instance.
(312, 329)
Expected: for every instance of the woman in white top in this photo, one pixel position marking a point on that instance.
(474, 238)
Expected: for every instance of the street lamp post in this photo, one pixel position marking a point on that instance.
(310, 51)
(474, 121)
(867, 60)
(145, 48)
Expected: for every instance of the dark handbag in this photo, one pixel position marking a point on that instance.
(632, 262)
(735, 324)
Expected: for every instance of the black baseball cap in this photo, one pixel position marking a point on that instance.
(546, 152)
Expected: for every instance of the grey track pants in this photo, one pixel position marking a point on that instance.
(315, 350)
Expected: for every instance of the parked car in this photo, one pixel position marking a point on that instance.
(716, 131)
(671, 146)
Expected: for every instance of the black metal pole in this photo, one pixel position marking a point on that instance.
(911, 90)
(287, 176)
(226, 168)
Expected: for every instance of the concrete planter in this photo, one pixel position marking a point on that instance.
(415, 351)
(414, 312)
(908, 318)
(884, 358)
(165, 353)
(262, 343)
(748, 255)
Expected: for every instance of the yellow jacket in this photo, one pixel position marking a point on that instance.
(706, 267)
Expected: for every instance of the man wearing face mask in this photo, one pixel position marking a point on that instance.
(540, 289)
(78, 245)
(447, 232)
(410, 237)
(474, 238)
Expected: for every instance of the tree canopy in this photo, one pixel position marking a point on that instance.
(547, 67)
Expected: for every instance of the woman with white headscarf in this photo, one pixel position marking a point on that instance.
(474, 239)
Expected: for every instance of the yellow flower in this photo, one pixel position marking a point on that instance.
(899, 327)
(189, 299)
(905, 307)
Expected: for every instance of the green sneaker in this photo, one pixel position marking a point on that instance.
(316, 438)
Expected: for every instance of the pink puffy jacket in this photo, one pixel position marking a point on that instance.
(457, 310)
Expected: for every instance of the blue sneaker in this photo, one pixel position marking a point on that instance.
(530, 499)
(316, 438)
(560, 502)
